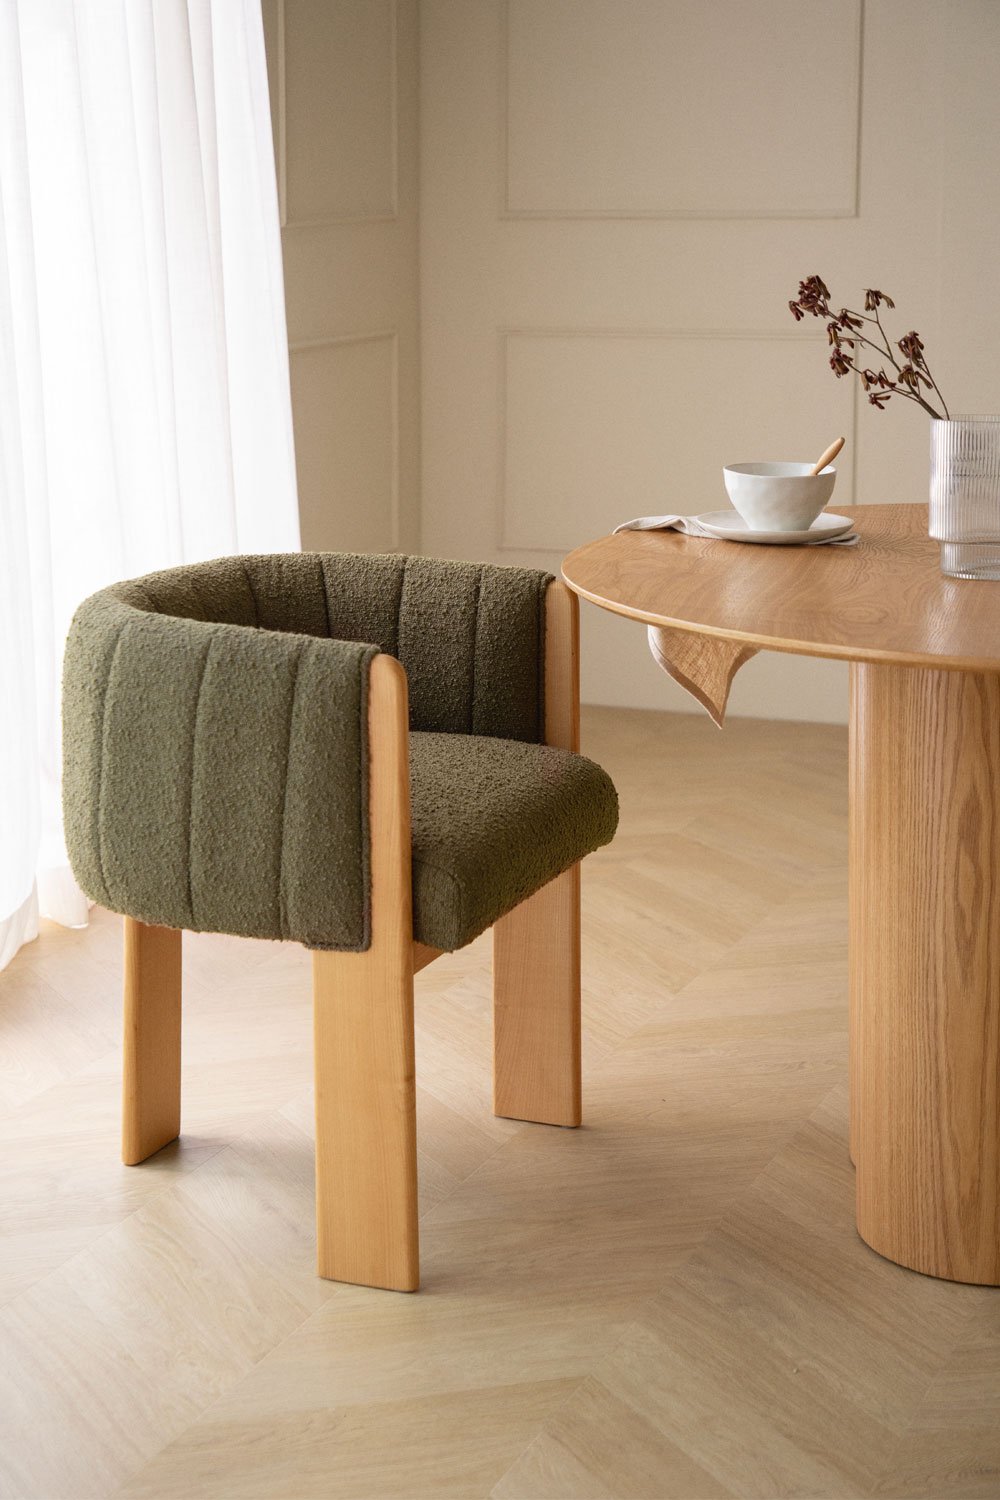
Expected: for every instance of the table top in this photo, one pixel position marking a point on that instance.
(882, 600)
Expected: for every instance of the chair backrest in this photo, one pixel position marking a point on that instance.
(469, 635)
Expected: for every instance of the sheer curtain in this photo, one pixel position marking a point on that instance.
(145, 417)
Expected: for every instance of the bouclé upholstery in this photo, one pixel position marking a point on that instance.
(215, 746)
(493, 821)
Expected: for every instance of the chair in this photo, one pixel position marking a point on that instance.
(374, 756)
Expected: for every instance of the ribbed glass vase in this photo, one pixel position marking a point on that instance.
(965, 495)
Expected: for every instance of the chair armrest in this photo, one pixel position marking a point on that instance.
(562, 667)
(215, 775)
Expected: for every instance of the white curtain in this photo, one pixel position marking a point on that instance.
(145, 417)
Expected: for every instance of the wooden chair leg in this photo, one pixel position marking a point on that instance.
(366, 1134)
(536, 1006)
(151, 1095)
(536, 947)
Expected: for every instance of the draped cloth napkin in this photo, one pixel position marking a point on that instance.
(704, 665)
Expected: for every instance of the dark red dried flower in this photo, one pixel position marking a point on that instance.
(911, 347)
(814, 297)
(874, 298)
(910, 376)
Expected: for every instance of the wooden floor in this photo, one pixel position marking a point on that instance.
(670, 1302)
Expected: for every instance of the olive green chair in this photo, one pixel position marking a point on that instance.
(374, 757)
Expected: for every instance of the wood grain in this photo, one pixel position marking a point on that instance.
(883, 600)
(926, 911)
(536, 947)
(366, 1152)
(855, 859)
(536, 1007)
(151, 1073)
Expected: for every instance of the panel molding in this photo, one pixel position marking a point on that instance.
(505, 337)
(380, 335)
(391, 215)
(507, 210)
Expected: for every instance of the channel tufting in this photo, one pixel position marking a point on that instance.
(283, 921)
(101, 763)
(192, 919)
(470, 717)
(215, 745)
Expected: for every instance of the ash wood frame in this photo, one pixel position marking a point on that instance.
(536, 947)
(366, 1141)
(925, 967)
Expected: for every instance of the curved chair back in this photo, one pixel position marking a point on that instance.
(215, 732)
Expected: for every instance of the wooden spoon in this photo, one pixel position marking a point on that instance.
(828, 457)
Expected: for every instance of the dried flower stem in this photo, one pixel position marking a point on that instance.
(886, 353)
(845, 331)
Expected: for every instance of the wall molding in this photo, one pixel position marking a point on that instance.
(391, 214)
(506, 335)
(508, 210)
(381, 335)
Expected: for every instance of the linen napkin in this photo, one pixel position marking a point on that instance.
(691, 526)
(688, 524)
(704, 665)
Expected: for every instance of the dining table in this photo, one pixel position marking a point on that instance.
(924, 833)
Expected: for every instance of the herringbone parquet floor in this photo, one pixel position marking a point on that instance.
(670, 1302)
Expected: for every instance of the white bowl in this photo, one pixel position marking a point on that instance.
(778, 497)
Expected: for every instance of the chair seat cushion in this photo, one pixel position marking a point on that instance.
(493, 821)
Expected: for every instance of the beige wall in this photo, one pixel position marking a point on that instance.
(618, 198)
(343, 77)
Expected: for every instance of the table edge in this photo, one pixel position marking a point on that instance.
(872, 655)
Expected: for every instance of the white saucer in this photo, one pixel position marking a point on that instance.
(731, 527)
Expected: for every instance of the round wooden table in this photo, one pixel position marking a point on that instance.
(924, 840)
